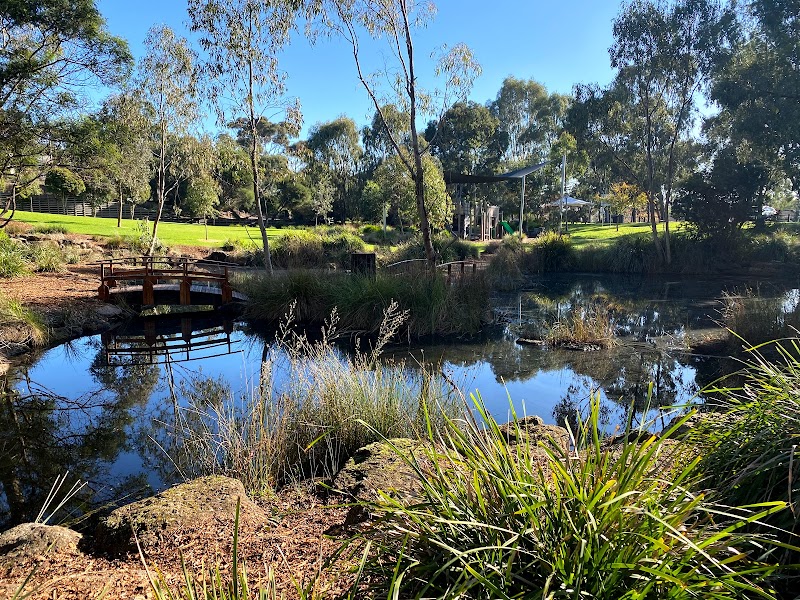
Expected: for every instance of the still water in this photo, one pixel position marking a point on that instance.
(99, 407)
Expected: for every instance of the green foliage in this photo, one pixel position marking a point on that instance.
(541, 521)
(447, 248)
(548, 253)
(752, 446)
(47, 257)
(13, 312)
(756, 320)
(435, 307)
(12, 257)
(61, 180)
(50, 228)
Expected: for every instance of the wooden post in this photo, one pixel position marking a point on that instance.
(148, 293)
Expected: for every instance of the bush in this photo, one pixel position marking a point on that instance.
(296, 249)
(50, 228)
(435, 307)
(339, 247)
(47, 257)
(549, 253)
(541, 521)
(447, 248)
(13, 262)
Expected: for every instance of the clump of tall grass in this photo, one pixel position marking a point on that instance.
(516, 521)
(312, 409)
(47, 257)
(50, 228)
(306, 249)
(583, 326)
(447, 247)
(14, 313)
(435, 307)
(13, 261)
(547, 253)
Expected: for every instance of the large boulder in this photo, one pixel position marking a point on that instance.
(31, 541)
(381, 467)
(183, 507)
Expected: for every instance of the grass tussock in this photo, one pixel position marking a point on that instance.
(447, 247)
(583, 326)
(13, 260)
(515, 521)
(434, 306)
(311, 409)
(29, 326)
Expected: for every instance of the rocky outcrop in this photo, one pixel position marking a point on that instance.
(31, 541)
(185, 506)
(381, 466)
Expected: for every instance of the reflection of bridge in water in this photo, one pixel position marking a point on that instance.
(167, 340)
(169, 280)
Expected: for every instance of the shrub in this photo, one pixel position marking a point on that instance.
(12, 312)
(298, 249)
(12, 258)
(340, 246)
(47, 257)
(549, 253)
(539, 521)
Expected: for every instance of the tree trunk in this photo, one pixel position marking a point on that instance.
(119, 214)
(160, 191)
(254, 166)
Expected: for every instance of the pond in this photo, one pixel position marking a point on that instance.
(99, 407)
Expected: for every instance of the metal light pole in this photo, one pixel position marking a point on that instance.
(563, 190)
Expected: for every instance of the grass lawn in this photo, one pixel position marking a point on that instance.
(582, 234)
(171, 234)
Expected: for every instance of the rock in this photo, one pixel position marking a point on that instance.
(109, 311)
(183, 506)
(33, 540)
(378, 466)
(218, 256)
(532, 430)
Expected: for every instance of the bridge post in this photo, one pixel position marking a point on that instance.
(227, 290)
(103, 292)
(148, 294)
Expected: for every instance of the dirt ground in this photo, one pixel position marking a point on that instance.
(293, 546)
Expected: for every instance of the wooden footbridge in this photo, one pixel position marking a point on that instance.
(152, 275)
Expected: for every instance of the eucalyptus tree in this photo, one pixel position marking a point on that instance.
(242, 39)
(530, 119)
(167, 79)
(377, 144)
(663, 53)
(335, 156)
(758, 88)
(465, 138)
(127, 123)
(393, 22)
(51, 52)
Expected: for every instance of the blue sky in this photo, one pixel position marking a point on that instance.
(558, 43)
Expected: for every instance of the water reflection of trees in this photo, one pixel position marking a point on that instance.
(44, 434)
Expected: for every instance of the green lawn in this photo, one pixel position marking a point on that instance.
(171, 234)
(582, 234)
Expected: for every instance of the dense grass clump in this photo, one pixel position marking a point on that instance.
(583, 326)
(434, 306)
(549, 253)
(47, 257)
(29, 326)
(447, 248)
(754, 319)
(307, 249)
(312, 409)
(50, 228)
(519, 521)
(13, 261)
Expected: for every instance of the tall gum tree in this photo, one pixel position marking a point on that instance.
(393, 23)
(242, 39)
(663, 52)
(167, 79)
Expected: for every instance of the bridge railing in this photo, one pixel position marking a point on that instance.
(149, 271)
